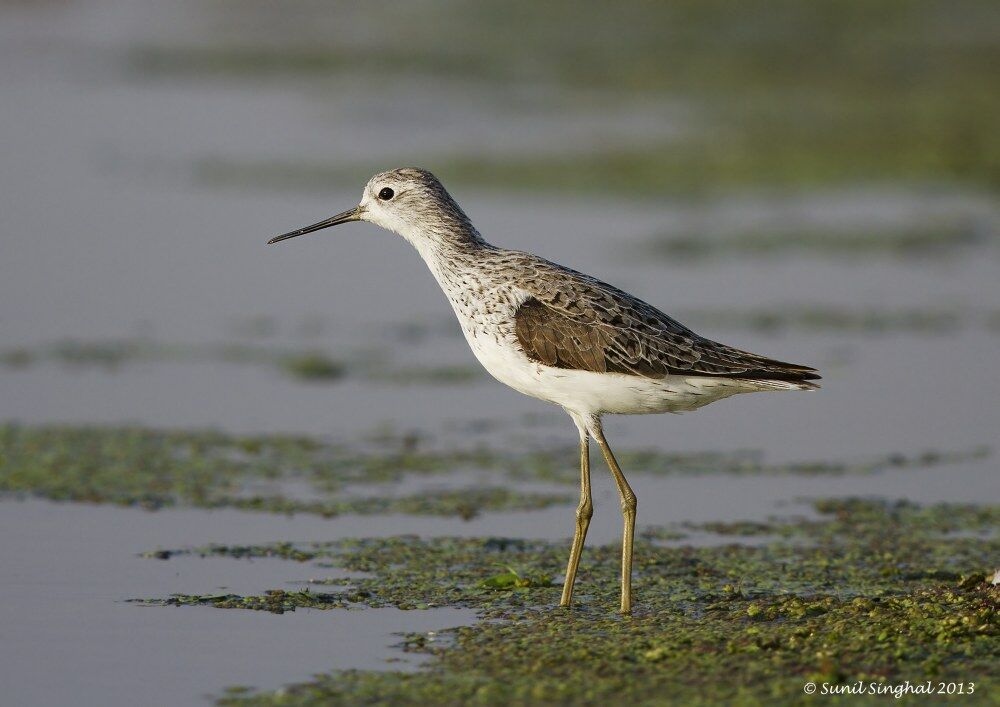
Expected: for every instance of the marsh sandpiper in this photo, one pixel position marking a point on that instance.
(562, 336)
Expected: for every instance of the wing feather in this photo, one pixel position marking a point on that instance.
(569, 320)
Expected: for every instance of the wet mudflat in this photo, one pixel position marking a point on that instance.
(301, 430)
(350, 583)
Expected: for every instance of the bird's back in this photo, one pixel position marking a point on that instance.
(570, 320)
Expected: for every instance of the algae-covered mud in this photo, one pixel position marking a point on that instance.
(868, 591)
(213, 470)
(287, 474)
(836, 590)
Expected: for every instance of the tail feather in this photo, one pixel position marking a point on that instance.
(778, 384)
(780, 374)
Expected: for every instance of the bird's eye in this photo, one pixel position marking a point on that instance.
(386, 194)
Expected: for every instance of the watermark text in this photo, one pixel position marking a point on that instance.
(895, 690)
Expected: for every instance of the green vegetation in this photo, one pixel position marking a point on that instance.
(138, 467)
(872, 591)
(917, 241)
(308, 365)
(312, 366)
(154, 469)
(867, 590)
(276, 601)
(765, 93)
(868, 320)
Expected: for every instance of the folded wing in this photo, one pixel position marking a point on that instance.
(573, 321)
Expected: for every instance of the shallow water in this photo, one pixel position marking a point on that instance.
(68, 569)
(67, 635)
(107, 233)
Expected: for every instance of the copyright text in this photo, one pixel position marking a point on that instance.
(888, 689)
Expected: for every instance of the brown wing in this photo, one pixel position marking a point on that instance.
(577, 322)
(556, 340)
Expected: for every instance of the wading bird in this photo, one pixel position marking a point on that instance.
(562, 336)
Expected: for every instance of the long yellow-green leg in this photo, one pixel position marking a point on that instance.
(583, 514)
(628, 512)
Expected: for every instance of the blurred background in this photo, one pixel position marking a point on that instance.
(816, 181)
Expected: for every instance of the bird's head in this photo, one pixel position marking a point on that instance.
(408, 201)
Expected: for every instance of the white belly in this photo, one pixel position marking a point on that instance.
(596, 393)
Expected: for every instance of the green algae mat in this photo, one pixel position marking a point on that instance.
(849, 594)
(870, 595)
(763, 92)
(135, 466)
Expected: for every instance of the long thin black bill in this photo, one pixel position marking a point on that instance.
(346, 217)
